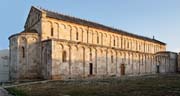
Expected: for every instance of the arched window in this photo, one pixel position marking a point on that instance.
(112, 59)
(64, 56)
(139, 47)
(136, 45)
(23, 52)
(124, 45)
(52, 31)
(77, 36)
(114, 42)
(97, 39)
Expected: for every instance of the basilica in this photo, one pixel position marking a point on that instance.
(57, 46)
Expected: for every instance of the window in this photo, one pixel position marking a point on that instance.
(124, 45)
(23, 52)
(114, 42)
(139, 47)
(136, 46)
(97, 39)
(111, 59)
(64, 56)
(52, 31)
(77, 36)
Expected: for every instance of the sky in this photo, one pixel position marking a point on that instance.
(158, 18)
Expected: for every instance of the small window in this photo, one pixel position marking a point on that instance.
(97, 39)
(52, 32)
(112, 59)
(114, 42)
(23, 52)
(140, 47)
(64, 56)
(77, 36)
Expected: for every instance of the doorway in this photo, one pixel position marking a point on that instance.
(90, 69)
(122, 69)
(157, 71)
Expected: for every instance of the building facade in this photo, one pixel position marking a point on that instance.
(56, 46)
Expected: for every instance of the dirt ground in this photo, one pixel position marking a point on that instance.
(151, 85)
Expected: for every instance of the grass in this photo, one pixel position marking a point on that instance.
(16, 92)
(156, 85)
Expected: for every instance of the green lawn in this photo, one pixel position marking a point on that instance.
(155, 85)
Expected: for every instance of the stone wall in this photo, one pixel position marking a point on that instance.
(166, 62)
(178, 62)
(4, 65)
(46, 60)
(59, 29)
(105, 50)
(24, 56)
(105, 61)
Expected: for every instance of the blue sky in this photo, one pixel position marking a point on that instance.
(160, 18)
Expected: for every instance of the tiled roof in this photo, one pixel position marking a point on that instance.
(95, 25)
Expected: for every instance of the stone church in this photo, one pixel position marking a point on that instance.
(57, 46)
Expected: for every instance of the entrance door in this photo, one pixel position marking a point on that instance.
(122, 69)
(90, 69)
(157, 69)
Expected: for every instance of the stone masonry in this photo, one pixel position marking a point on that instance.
(56, 46)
